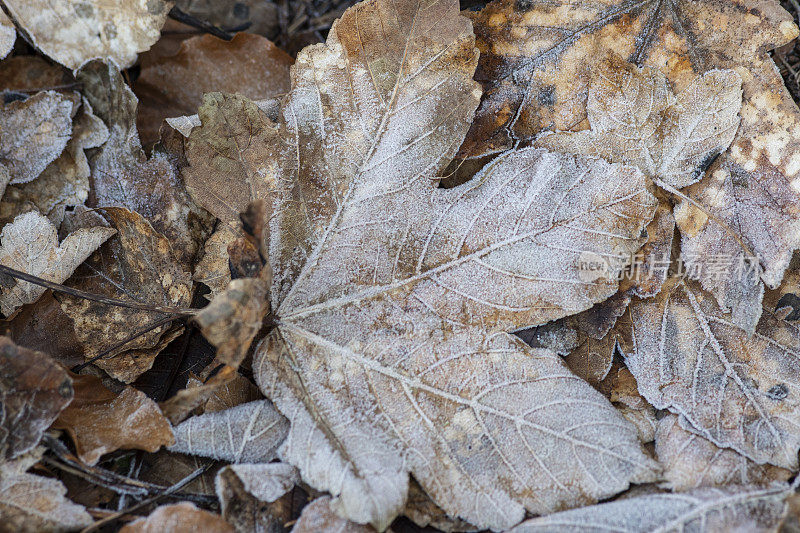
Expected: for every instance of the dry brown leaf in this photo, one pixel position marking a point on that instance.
(33, 390)
(537, 77)
(33, 504)
(735, 390)
(65, 182)
(249, 496)
(74, 33)
(690, 461)
(30, 244)
(235, 392)
(751, 509)
(136, 264)
(247, 433)
(26, 74)
(171, 86)
(166, 469)
(123, 176)
(100, 421)
(234, 317)
(33, 133)
(635, 118)
(421, 510)
(212, 270)
(318, 517)
(181, 517)
(8, 35)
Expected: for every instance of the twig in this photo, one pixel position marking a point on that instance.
(179, 311)
(172, 490)
(202, 25)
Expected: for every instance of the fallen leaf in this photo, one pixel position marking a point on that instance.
(123, 176)
(235, 392)
(247, 433)
(34, 132)
(690, 461)
(318, 517)
(249, 494)
(32, 504)
(8, 35)
(650, 268)
(234, 317)
(75, 33)
(181, 517)
(166, 469)
(30, 244)
(751, 509)
(635, 118)
(735, 390)
(31, 74)
(212, 269)
(136, 264)
(171, 86)
(100, 421)
(33, 390)
(421, 510)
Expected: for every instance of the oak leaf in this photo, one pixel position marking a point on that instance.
(691, 461)
(30, 244)
(73, 33)
(732, 508)
(100, 421)
(33, 391)
(735, 390)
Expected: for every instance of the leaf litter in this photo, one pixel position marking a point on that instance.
(339, 337)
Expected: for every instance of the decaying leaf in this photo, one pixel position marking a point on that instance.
(247, 433)
(751, 509)
(635, 118)
(181, 517)
(737, 391)
(100, 421)
(33, 133)
(249, 493)
(33, 390)
(8, 35)
(212, 270)
(74, 33)
(30, 244)
(232, 319)
(123, 176)
(318, 517)
(690, 461)
(32, 504)
(137, 264)
(172, 86)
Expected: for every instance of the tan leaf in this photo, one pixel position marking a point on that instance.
(33, 133)
(635, 118)
(30, 244)
(8, 35)
(33, 390)
(137, 264)
(212, 270)
(739, 392)
(171, 86)
(690, 461)
(247, 433)
(234, 317)
(537, 77)
(318, 517)
(249, 495)
(74, 33)
(100, 421)
(752, 509)
(31, 73)
(235, 392)
(123, 176)
(183, 517)
(32, 504)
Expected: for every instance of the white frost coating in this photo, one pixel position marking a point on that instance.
(185, 123)
(73, 33)
(266, 482)
(247, 433)
(30, 244)
(733, 508)
(8, 35)
(738, 391)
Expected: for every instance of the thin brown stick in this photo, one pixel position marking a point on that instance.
(202, 25)
(178, 311)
